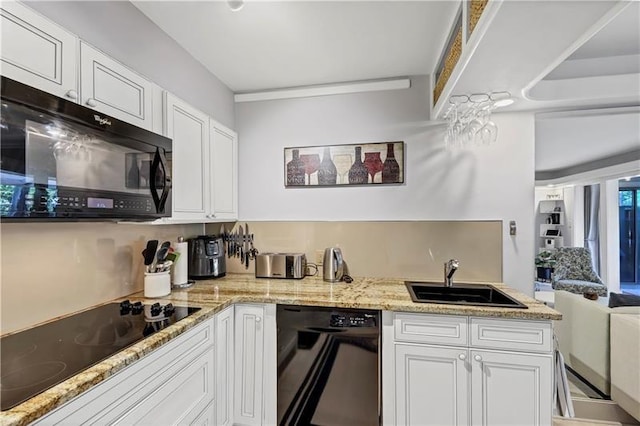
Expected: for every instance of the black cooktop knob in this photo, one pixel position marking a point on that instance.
(137, 308)
(125, 307)
(169, 310)
(155, 309)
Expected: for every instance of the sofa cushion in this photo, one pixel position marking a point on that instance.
(583, 337)
(619, 299)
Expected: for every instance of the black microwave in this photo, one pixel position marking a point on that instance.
(63, 161)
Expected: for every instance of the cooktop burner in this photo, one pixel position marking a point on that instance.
(37, 359)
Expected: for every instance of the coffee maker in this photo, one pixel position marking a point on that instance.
(206, 257)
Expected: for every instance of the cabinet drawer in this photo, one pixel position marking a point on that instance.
(511, 334)
(425, 328)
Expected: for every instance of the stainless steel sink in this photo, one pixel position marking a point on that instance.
(461, 294)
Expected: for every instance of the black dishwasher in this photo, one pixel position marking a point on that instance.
(328, 366)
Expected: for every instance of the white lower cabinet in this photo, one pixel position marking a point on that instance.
(172, 385)
(224, 366)
(509, 388)
(432, 385)
(473, 381)
(255, 365)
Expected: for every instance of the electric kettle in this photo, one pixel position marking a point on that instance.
(333, 265)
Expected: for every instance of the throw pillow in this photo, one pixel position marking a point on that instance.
(618, 299)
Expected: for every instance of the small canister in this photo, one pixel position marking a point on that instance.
(157, 284)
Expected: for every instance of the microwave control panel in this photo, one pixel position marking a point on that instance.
(66, 201)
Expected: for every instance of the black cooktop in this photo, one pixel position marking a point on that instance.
(36, 359)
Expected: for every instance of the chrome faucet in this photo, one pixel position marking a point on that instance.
(450, 268)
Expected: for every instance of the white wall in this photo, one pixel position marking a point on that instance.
(120, 30)
(495, 182)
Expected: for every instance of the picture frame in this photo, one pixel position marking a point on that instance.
(377, 163)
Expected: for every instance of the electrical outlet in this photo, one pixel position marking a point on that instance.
(319, 257)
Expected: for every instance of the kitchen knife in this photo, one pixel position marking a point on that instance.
(246, 247)
(240, 244)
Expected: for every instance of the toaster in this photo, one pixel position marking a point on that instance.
(281, 265)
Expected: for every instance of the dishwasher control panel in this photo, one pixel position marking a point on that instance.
(352, 320)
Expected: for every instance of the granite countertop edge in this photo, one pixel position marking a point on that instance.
(214, 295)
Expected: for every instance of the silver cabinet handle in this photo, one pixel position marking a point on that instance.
(462, 356)
(72, 94)
(257, 319)
(92, 102)
(477, 358)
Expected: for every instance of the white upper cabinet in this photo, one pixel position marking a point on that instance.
(204, 163)
(189, 130)
(37, 52)
(223, 161)
(111, 88)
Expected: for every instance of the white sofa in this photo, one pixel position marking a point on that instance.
(584, 340)
(625, 362)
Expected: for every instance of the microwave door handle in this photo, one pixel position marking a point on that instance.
(159, 166)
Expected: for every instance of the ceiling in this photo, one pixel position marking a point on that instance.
(283, 44)
(278, 44)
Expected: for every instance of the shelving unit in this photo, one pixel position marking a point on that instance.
(551, 217)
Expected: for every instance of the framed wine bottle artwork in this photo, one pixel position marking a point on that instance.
(379, 163)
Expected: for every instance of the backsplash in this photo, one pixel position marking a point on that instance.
(52, 269)
(407, 249)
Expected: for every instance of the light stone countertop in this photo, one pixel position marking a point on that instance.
(214, 295)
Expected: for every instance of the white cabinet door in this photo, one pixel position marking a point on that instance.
(223, 162)
(189, 130)
(249, 346)
(37, 52)
(179, 399)
(431, 385)
(224, 367)
(511, 388)
(111, 88)
(172, 385)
